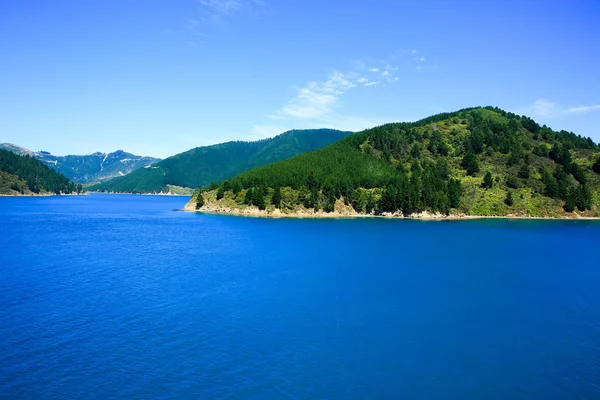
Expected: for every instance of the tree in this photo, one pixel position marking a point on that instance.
(596, 166)
(454, 192)
(199, 201)
(551, 187)
(276, 198)
(237, 187)
(470, 163)
(221, 192)
(569, 205)
(488, 180)
(259, 199)
(509, 199)
(524, 171)
(583, 198)
(249, 198)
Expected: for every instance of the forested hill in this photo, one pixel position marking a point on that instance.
(478, 161)
(202, 165)
(22, 175)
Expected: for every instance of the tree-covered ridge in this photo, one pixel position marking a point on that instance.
(202, 165)
(478, 161)
(24, 175)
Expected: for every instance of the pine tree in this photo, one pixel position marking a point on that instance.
(276, 197)
(488, 180)
(596, 166)
(259, 199)
(509, 199)
(524, 171)
(236, 187)
(249, 198)
(470, 163)
(199, 201)
(569, 205)
(221, 192)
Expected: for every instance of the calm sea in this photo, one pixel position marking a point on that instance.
(124, 297)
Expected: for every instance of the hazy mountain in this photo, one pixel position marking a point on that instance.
(87, 168)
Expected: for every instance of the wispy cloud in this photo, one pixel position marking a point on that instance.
(318, 98)
(583, 109)
(211, 13)
(225, 8)
(320, 103)
(550, 109)
(420, 59)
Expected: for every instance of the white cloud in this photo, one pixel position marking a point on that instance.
(583, 109)
(318, 98)
(319, 103)
(549, 109)
(420, 59)
(544, 108)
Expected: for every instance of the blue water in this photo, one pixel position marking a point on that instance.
(123, 297)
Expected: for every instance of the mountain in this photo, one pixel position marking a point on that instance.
(87, 168)
(473, 162)
(24, 175)
(202, 165)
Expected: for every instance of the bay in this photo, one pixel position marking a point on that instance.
(116, 296)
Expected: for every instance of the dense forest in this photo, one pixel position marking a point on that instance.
(477, 161)
(21, 174)
(202, 165)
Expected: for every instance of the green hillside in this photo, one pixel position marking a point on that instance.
(479, 161)
(202, 165)
(22, 175)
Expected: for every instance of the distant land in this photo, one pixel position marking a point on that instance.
(469, 163)
(22, 175)
(89, 168)
(203, 165)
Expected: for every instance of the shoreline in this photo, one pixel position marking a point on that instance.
(254, 212)
(144, 194)
(43, 195)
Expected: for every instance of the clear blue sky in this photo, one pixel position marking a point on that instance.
(157, 77)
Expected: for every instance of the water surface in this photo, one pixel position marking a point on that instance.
(122, 297)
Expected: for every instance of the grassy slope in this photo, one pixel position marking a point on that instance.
(202, 165)
(10, 184)
(358, 161)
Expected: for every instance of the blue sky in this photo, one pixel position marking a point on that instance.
(157, 77)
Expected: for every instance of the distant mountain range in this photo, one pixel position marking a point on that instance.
(203, 165)
(89, 168)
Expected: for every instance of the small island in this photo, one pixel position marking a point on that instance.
(473, 163)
